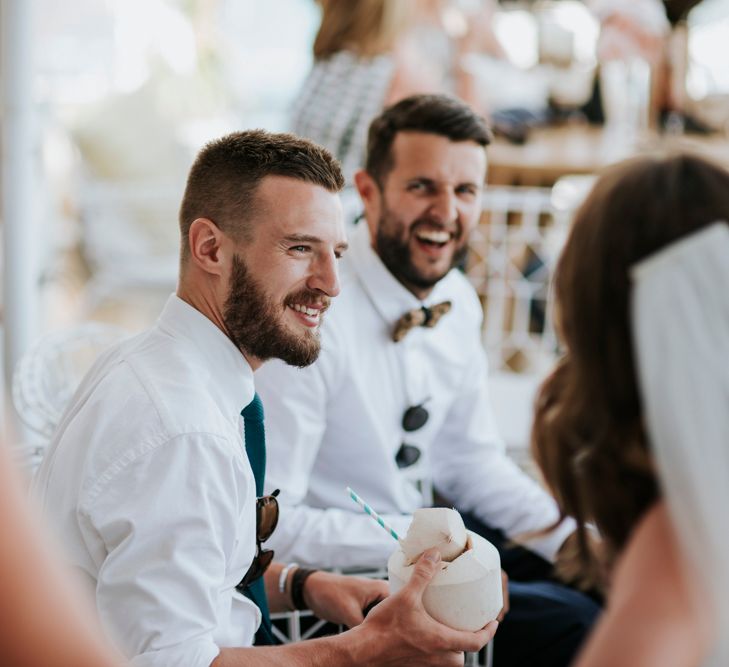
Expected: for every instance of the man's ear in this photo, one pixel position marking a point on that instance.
(369, 193)
(206, 242)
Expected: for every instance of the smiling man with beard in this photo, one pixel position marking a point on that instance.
(153, 475)
(252, 322)
(401, 385)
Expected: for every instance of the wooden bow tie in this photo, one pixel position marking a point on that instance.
(419, 317)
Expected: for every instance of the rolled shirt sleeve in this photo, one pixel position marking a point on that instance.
(167, 527)
(471, 468)
(296, 420)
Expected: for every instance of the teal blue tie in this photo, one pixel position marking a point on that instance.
(255, 440)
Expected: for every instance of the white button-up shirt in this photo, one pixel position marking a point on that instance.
(149, 488)
(338, 423)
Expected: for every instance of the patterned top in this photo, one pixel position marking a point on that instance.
(337, 102)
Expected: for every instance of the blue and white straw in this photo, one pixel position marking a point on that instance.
(372, 513)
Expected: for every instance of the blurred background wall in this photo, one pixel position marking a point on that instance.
(106, 102)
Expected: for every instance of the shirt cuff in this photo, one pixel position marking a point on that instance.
(193, 653)
(548, 546)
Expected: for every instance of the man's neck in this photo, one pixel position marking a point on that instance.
(208, 307)
(420, 293)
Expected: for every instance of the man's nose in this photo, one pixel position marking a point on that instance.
(325, 275)
(444, 206)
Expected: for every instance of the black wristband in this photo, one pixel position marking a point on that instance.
(298, 579)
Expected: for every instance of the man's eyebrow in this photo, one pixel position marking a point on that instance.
(302, 238)
(310, 238)
(427, 180)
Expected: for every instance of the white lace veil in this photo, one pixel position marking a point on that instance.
(680, 314)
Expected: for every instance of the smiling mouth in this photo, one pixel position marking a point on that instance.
(309, 314)
(434, 238)
(307, 310)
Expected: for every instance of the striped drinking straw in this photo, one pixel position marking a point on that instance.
(372, 513)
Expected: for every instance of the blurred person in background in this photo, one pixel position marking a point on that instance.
(652, 32)
(447, 34)
(369, 54)
(362, 63)
(43, 620)
(632, 427)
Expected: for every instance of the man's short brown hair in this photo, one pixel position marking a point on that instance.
(434, 114)
(222, 182)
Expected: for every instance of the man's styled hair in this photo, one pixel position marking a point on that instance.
(434, 114)
(223, 180)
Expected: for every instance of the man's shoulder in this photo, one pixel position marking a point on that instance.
(176, 383)
(151, 389)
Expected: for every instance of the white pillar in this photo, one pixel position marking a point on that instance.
(19, 183)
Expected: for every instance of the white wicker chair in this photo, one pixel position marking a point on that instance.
(49, 372)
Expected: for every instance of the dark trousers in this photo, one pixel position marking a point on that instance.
(547, 621)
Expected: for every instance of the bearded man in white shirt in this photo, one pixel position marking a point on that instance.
(379, 383)
(150, 479)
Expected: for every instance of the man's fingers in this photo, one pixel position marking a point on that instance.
(459, 640)
(424, 571)
(379, 591)
(505, 595)
(354, 618)
(370, 606)
(485, 635)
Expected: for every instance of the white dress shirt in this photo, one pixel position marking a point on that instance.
(149, 488)
(338, 423)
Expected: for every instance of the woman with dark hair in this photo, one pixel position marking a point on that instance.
(632, 428)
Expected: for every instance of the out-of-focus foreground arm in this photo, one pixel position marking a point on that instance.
(42, 618)
(651, 619)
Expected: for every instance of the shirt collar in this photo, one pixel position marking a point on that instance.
(387, 294)
(231, 376)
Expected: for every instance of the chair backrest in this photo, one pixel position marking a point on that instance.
(50, 371)
(512, 254)
(511, 257)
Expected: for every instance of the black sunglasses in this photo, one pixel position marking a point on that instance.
(266, 522)
(415, 417)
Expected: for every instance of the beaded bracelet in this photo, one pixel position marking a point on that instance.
(297, 587)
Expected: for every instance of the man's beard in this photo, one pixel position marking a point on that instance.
(254, 323)
(394, 251)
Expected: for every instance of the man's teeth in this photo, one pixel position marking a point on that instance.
(434, 236)
(306, 310)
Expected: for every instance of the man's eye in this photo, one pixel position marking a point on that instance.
(467, 190)
(300, 248)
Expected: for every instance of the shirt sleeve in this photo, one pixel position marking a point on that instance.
(168, 518)
(295, 425)
(472, 470)
(334, 538)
